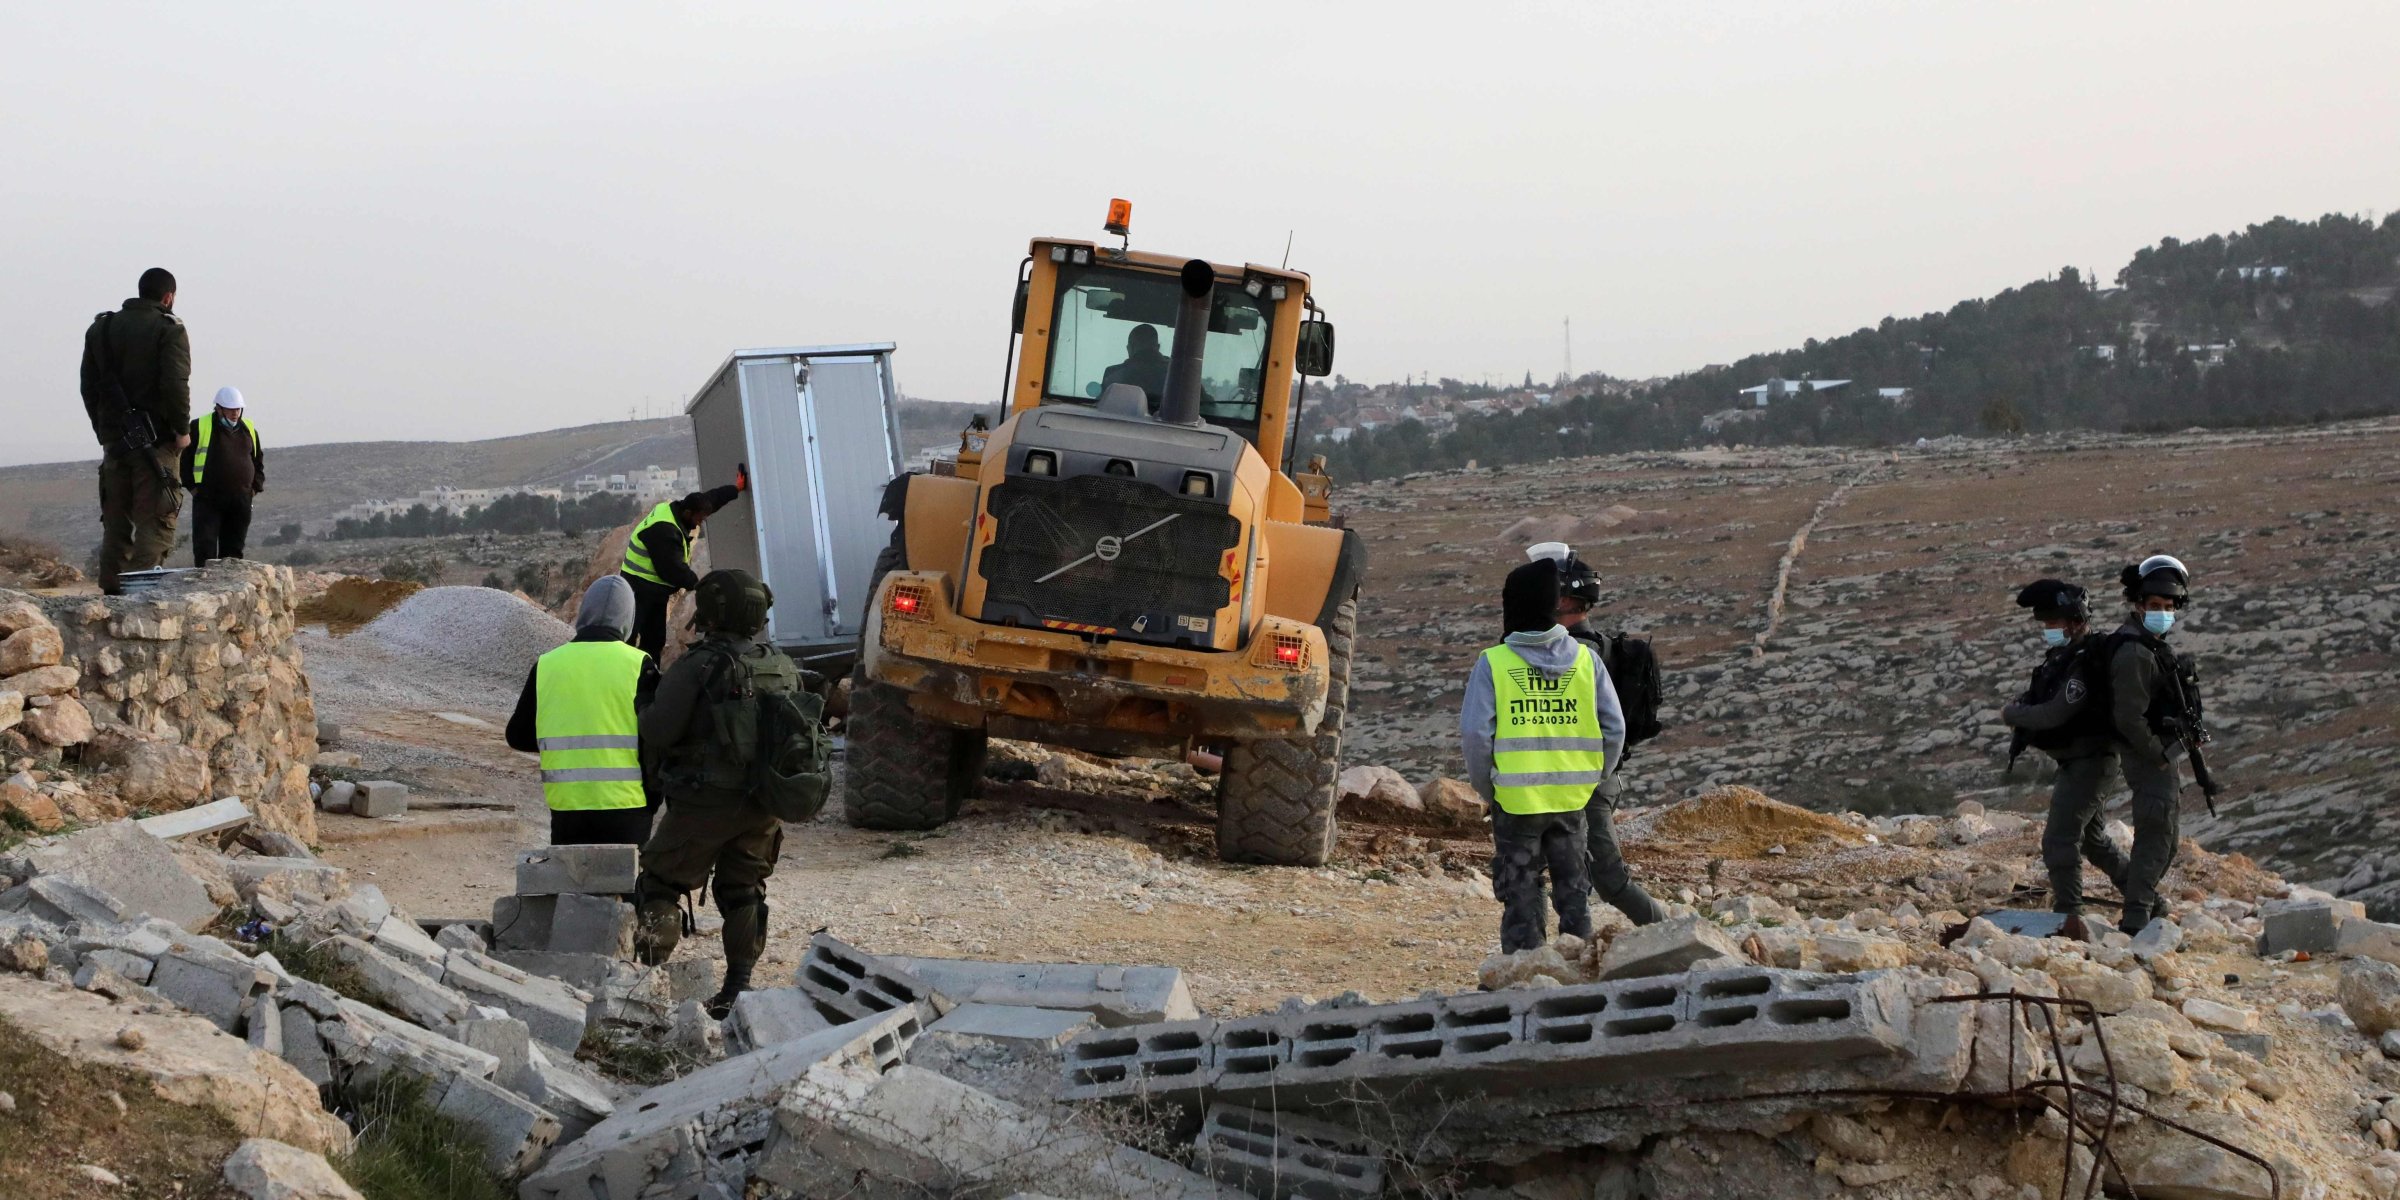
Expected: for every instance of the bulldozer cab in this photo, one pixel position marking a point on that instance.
(1092, 316)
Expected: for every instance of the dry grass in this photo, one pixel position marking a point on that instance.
(68, 1115)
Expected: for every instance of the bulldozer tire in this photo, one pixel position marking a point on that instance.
(902, 770)
(1275, 799)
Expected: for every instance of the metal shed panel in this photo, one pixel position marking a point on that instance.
(721, 437)
(856, 459)
(780, 483)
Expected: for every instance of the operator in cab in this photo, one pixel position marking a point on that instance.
(1144, 367)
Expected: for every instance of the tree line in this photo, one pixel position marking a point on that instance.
(517, 512)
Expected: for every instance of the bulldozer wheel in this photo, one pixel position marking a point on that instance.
(1275, 799)
(903, 771)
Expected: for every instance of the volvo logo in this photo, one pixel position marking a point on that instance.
(1109, 548)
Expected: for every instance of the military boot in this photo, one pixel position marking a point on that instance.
(658, 923)
(745, 943)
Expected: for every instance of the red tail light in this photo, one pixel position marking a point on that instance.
(910, 601)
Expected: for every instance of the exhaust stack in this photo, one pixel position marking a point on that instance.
(1181, 404)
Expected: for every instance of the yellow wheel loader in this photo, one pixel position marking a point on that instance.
(1126, 563)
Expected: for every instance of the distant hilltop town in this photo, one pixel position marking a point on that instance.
(644, 487)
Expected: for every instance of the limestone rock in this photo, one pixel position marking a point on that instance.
(65, 723)
(19, 797)
(2370, 993)
(1453, 803)
(1376, 793)
(17, 612)
(2164, 1164)
(186, 1059)
(1848, 1138)
(12, 709)
(163, 775)
(30, 647)
(1859, 952)
(264, 1169)
(2142, 1051)
(56, 679)
(2106, 990)
(1667, 947)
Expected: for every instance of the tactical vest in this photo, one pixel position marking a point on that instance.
(583, 723)
(1548, 749)
(208, 425)
(637, 557)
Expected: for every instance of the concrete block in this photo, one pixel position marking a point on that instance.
(509, 1041)
(579, 1099)
(459, 933)
(1287, 1156)
(1114, 995)
(400, 937)
(358, 914)
(692, 1134)
(379, 798)
(554, 1012)
(523, 922)
(337, 796)
(589, 972)
(911, 1131)
(770, 1016)
(139, 872)
(263, 1025)
(216, 817)
(2361, 938)
(583, 924)
(689, 979)
(64, 902)
(101, 981)
(133, 967)
(1666, 947)
(216, 988)
(858, 985)
(1140, 1060)
(303, 1048)
(516, 1131)
(404, 989)
(1044, 1029)
(372, 1041)
(321, 1002)
(597, 870)
(2312, 926)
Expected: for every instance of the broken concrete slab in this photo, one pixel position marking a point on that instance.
(689, 1135)
(263, 1025)
(1287, 1156)
(584, 924)
(600, 870)
(856, 984)
(139, 872)
(2313, 926)
(400, 937)
(1666, 947)
(303, 1048)
(555, 1013)
(371, 1041)
(463, 935)
(578, 1098)
(1114, 995)
(276, 879)
(516, 1131)
(132, 966)
(1013, 1025)
(910, 1128)
(507, 1040)
(217, 988)
(100, 981)
(2362, 938)
(769, 1016)
(63, 902)
(379, 798)
(215, 817)
(590, 972)
(405, 989)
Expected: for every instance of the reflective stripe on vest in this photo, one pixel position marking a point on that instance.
(584, 724)
(637, 558)
(200, 444)
(1548, 750)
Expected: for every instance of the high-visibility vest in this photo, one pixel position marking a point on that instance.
(1548, 750)
(637, 559)
(208, 424)
(584, 726)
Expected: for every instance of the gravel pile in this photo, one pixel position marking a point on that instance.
(475, 630)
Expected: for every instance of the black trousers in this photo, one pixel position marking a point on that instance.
(650, 616)
(1612, 880)
(2157, 822)
(220, 527)
(2075, 832)
(602, 826)
(1527, 848)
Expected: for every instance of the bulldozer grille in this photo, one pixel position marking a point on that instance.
(1091, 552)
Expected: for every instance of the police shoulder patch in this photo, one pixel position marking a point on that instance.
(2074, 691)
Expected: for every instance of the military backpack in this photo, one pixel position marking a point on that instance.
(765, 740)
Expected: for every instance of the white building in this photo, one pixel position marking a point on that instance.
(1784, 389)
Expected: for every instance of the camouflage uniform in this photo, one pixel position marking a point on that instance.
(145, 346)
(1522, 848)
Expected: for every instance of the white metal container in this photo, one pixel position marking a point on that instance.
(819, 429)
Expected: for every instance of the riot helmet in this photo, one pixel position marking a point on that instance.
(2055, 600)
(2158, 575)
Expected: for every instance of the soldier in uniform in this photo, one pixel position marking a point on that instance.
(2147, 705)
(2064, 716)
(1612, 880)
(720, 820)
(137, 390)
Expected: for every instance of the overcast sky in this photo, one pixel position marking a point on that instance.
(434, 220)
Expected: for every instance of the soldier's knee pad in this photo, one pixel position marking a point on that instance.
(740, 895)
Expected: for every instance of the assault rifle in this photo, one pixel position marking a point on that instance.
(2192, 729)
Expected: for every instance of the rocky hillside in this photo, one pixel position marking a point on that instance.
(1876, 684)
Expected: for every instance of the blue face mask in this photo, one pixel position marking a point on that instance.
(2054, 637)
(2158, 622)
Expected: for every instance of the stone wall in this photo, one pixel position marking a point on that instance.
(194, 691)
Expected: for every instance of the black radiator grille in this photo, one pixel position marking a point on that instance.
(1165, 573)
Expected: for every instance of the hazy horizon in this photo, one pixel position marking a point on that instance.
(454, 222)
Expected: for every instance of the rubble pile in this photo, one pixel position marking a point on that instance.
(151, 703)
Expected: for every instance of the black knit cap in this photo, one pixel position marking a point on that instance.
(2054, 600)
(1529, 600)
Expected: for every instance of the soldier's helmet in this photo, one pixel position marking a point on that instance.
(731, 601)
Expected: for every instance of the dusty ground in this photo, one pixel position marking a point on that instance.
(1875, 693)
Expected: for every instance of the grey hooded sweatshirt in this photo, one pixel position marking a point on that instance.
(606, 615)
(1551, 651)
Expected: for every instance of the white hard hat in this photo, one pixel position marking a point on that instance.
(1556, 552)
(229, 397)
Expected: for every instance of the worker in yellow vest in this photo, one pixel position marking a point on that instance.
(579, 712)
(224, 465)
(658, 560)
(1540, 727)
